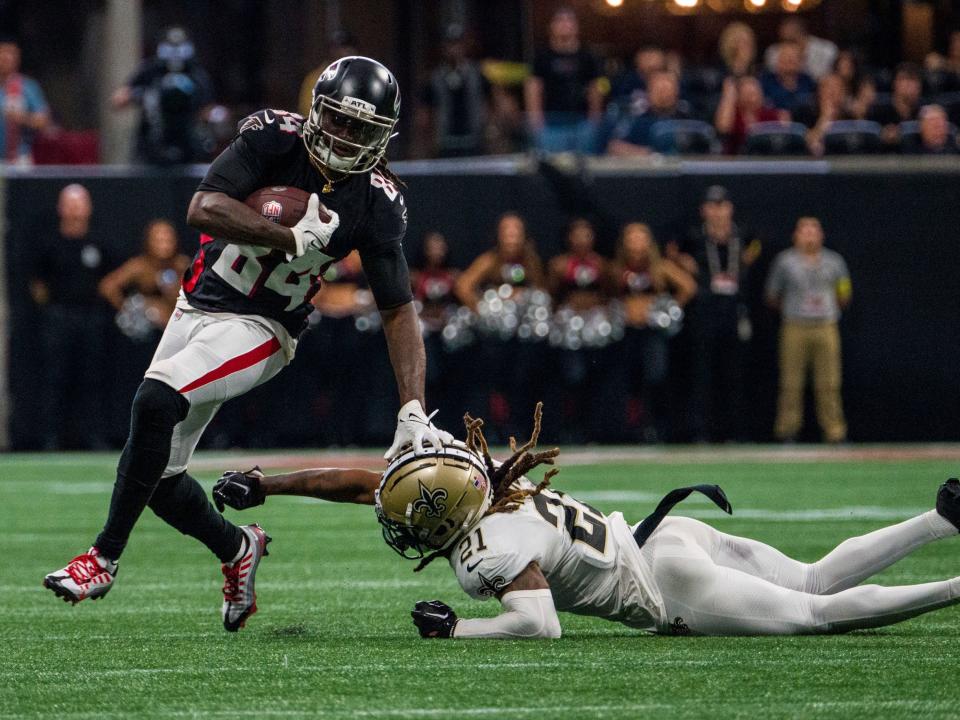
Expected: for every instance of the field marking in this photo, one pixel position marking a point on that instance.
(618, 709)
(571, 455)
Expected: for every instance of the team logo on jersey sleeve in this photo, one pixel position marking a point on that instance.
(431, 503)
(251, 123)
(489, 587)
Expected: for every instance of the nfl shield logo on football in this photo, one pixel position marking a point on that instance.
(272, 211)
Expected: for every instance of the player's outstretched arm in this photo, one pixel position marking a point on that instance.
(242, 490)
(528, 612)
(219, 215)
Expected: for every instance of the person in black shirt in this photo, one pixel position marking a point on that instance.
(563, 99)
(74, 324)
(903, 105)
(719, 254)
(170, 89)
(246, 297)
(455, 100)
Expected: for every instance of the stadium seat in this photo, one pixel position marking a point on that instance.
(776, 138)
(852, 137)
(686, 137)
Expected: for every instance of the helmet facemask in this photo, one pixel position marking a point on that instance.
(346, 136)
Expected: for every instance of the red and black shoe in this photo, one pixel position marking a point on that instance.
(239, 597)
(86, 576)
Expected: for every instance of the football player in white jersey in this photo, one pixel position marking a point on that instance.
(539, 551)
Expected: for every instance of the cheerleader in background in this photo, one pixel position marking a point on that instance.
(646, 283)
(506, 381)
(578, 280)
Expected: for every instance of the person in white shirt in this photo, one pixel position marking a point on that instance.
(819, 54)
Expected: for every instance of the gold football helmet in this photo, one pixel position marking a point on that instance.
(427, 500)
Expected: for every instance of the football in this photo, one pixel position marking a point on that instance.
(280, 204)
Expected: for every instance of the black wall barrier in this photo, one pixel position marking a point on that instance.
(896, 224)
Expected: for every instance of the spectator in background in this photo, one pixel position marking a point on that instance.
(831, 104)
(809, 286)
(947, 64)
(170, 88)
(640, 276)
(24, 108)
(563, 97)
(738, 49)
(342, 44)
(817, 54)
(742, 106)
(632, 136)
(719, 254)
(904, 103)
(859, 88)
(630, 89)
(936, 135)
(70, 264)
(454, 101)
(787, 85)
(144, 289)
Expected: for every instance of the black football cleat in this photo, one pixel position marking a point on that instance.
(948, 501)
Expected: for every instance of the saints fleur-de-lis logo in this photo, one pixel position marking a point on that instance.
(431, 503)
(489, 587)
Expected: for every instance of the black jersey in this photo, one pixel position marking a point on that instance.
(249, 280)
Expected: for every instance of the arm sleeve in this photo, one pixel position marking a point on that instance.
(381, 250)
(388, 275)
(526, 614)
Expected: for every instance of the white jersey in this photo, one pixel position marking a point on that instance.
(591, 561)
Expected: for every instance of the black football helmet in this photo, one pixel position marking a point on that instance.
(355, 106)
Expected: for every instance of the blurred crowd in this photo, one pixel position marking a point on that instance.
(598, 337)
(801, 95)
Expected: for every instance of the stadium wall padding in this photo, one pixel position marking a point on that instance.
(897, 228)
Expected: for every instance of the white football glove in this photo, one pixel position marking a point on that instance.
(312, 231)
(413, 428)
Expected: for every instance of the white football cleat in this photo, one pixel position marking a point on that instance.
(86, 576)
(239, 598)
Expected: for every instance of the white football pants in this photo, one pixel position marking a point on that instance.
(718, 584)
(210, 358)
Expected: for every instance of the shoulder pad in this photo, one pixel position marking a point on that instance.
(271, 130)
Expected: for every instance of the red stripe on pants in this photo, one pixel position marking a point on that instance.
(241, 362)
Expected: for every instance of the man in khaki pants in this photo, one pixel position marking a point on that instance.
(809, 286)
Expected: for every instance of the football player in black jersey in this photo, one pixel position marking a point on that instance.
(245, 299)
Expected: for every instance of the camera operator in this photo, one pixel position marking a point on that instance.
(171, 88)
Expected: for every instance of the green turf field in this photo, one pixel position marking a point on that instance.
(333, 638)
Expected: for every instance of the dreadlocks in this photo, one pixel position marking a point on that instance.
(389, 174)
(507, 497)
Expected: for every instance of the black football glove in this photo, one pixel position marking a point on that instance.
(434, 619)
(239, 490)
